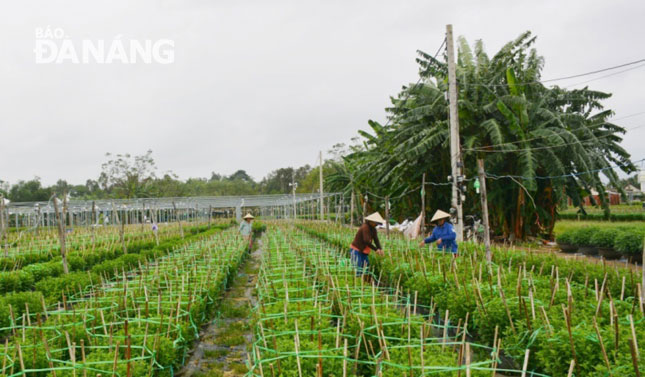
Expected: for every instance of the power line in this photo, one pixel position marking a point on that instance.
(513, 177)
(605, 76)
(594, 72)
(570, 175)
(483, 149)
(570, 77)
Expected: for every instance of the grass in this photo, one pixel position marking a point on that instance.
(564, 225)
(620, 208)
(215, 354)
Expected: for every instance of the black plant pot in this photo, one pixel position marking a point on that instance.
(588, 250)
(635, 258)
(567, 247)
(609, 253)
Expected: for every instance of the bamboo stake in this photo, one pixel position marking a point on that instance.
(602, 345)
(345, 357)
(526, 363)
(634, 352)
(571, 366)
(631, 324)
(297, 345)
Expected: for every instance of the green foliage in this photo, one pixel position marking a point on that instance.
(565, 238)
(603, 237)
(522, 124)
(629, 241)
(258, 228)
(582, 236)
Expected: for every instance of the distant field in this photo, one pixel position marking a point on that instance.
(564, 225)
(621, 208)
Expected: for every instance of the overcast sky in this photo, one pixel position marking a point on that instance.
(259, 85)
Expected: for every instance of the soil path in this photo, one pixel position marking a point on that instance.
(222, 347)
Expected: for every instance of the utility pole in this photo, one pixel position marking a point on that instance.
(423, 205)
(61, 232)
(352, 204)
(364, 207)
(294, 185)
(2, 228)
(387, 216)
(322, 211)
(455, 149)
(482, 187)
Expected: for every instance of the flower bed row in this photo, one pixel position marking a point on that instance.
(138, 324)
(48, 276)
(609, 242)
(315, 317)
(534, 307)
(53, 289)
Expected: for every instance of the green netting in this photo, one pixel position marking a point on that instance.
(320, 318)
(139, 324)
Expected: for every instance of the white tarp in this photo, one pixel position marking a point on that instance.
(414, 229)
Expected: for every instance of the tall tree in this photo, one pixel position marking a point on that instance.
(522, 128)
(127, 176)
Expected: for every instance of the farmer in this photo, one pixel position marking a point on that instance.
(246, 228)
(443, 233)
(365, 241)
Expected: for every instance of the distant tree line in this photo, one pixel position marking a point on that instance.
(127, 176)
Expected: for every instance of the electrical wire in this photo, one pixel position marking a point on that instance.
(558, 133)
(594, 72)
(483, 149)
(542, 82)
(512, 177)
(570, 175)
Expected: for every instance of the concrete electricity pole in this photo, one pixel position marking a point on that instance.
(455, 148)
(484, 199)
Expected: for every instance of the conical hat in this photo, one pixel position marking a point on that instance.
(376, 217)
(439, 215)
(249, 216)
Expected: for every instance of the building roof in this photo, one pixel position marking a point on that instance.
(631, 188)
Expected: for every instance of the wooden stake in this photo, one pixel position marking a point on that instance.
(634, 352)
(602, 345)
(631, 324)
(571, 366)
(526, 363)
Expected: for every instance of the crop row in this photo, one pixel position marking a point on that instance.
(537, 306)
(609, 242)
(315, 318)
(48, 276)
(46, 241)
(137, 324)
(51, 289)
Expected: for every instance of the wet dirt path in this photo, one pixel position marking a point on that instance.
(221, 350)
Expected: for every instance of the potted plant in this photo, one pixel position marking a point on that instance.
(629, 242)
(603, 239)
(582, 238)
(565, 242)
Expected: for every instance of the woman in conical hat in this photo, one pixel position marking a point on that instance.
(246, 227)
(443, 233)
(365, 241)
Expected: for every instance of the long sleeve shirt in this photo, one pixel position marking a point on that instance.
(245, 228)
(366, 237)
(448, 237)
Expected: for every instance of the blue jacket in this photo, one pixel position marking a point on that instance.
(447, 234)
